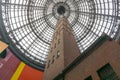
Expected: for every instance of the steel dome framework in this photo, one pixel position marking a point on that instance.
(28, 25)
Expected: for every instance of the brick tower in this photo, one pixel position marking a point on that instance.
(63, 50)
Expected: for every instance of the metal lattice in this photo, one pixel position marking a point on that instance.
(28, 25)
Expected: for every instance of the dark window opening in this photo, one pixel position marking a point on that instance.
(58, 41)
(58, 53)
(107, 73)
(48, 64)
(89, 78)
(55, 45)
(53, 60)
(51, 50)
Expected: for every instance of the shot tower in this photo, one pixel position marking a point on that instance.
(63, 50)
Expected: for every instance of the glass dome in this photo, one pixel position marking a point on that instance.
(28, 25)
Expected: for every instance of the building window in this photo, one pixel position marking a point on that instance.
(58, 41)
(58, 53)
(107, 73)
(48, 64)
(89, 78)
(53, 59)
(55, 45)
(51, 50)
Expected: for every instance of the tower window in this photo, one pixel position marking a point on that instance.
(48, 64)
(89, 78)
(51, 49)
(55, 45)
(53, 59)
(107, 73)
(58, 53)
(58, 41)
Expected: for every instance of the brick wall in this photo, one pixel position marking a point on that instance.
(109, 52)
(68, 50)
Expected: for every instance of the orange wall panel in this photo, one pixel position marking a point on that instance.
(29, 73)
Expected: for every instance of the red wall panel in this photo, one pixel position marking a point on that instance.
(8, 66)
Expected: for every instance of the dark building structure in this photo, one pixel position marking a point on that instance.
(65, 62)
